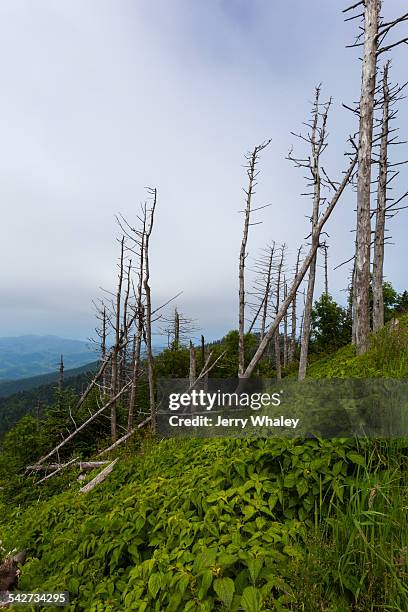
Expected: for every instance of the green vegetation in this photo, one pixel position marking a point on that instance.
(34, 401)
(331, 326)
(251, 525)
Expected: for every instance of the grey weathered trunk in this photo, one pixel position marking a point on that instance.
(139, 328)
(326, 269)
(148, 314)
(378, 260)
(317, 143)
(301, 274)
(278, 364)
(176, 343)
(116, 347)
(285, 327)
(242, 258)
(103, 347)
(361, 285)
(252, 174)
(61, 375)
(292, 348)
(193, 365)
(267, 291)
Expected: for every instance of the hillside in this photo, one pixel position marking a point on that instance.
(36, 393)
(27, 356)
(12, 387)
(251, 525)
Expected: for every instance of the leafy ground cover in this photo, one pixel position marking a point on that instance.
(251, 525)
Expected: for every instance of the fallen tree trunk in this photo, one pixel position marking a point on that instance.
(81, 427)
(124, 438)
(99, 478)
(59, 469)
(83, 465)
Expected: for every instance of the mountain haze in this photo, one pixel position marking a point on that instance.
(27, 356)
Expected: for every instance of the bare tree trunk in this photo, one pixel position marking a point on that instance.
(103, 347)
(115, 351)
(378, 262)
(278, 366)
(303, 269)
(193, 366)
(204, 357)
(285, 327)
(61, 375)
(99, 478)
(294, 314)
(318, 143)
(139, 327)
(267, 291)
(252, 174)
(326, 269)
(176, 345)
(361, 318)
(148, 317)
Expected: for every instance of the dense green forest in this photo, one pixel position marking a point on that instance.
(255, 525)
(33, 395)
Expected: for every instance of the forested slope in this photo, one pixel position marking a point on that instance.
(231, 524)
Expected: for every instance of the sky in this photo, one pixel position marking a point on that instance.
(101, 98)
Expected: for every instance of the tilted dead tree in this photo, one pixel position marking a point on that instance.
(324, 217)
(252, 159)
(374, 33)
(317, 140)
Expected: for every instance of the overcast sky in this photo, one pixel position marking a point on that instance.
(102, 98)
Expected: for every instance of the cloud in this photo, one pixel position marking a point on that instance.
(103, 98)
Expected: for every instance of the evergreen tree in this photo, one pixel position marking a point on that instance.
(331, 325)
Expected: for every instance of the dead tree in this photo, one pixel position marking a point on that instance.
(252, 159)
(61, 375)
(193, 364)
(317, 140)
(136, 245)
(324, 217)
(386, 173)
(264, 267)
(372, 37)
(148, 308)
(278, 289)
(325, 249)
(292, 347)
(115, 350)
(179, 328)
(285, 327)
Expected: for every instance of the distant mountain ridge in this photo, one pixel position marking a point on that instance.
(10, 387)
(33, 355)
